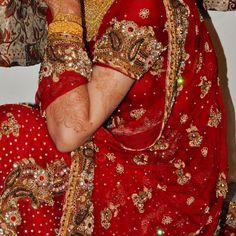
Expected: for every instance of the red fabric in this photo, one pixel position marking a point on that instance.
(49, 91)
(181, 178)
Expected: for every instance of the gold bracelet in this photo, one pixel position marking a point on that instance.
(66, 23)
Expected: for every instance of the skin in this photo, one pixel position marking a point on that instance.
(74, 117)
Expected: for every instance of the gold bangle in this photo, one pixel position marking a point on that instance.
(65, 27)
(68, 17)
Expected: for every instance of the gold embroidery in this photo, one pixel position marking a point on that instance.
(222, 186)
(141, 159)
(78, 208)
(160, 145)
(231, 215)
(64, 52)
(183, 118)
(10, 126)
(138, 113)
(214, 118)
(190, 201)
(140, 199)
(200, 63)
(177, 18)
(95, 11)
(204, 151)
(166, 220)
(219, 5)
(162, 187)
(205, 86)
(28, 180)
(128, 47)
(195, 139)
(120, 169)
(144, 13)
(111, 157)
(107, 214)
(183, 178)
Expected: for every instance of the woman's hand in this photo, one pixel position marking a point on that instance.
(64, 6)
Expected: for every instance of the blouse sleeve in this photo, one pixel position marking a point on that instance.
(129, 43)
(226, 5)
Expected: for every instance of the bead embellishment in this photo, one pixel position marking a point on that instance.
(130, 48)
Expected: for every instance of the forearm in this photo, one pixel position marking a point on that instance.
(74, 117)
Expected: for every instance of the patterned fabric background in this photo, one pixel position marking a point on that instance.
(22, 32)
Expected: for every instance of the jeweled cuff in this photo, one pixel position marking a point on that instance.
(66, 64)
(128, 48)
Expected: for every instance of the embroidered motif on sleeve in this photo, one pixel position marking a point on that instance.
(214, 117)
(141, 198)
(195, 139)
(223, 5)
(10, 126)
(144, 13)
(129, 48)
(64, 53)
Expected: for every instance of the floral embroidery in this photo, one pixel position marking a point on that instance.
(222, 186)
(138, 113)
(27, 179)
(166, 220)
(183, 178)
(204, 151)
(214, 118)
(160, 145)
(120, 169)
(144, 13)
(195, 139)
(140, 199)
(205, 86)
(190, 201)
(183, 118)
(129, 48)
(111, 157)
(207, 47)
(10, 126)
(141, 159)
(107, 214)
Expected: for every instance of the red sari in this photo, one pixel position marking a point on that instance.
(160, 160)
